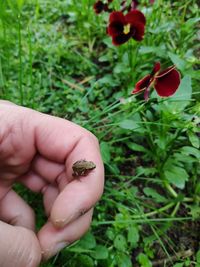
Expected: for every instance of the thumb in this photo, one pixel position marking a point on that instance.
(19, 247)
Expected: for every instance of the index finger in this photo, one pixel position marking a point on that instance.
(82, 192)
(65, 142)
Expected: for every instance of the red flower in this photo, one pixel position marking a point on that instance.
(99, 7)
(134, 4)
(165, 82)
(123, 27)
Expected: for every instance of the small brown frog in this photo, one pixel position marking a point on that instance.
(82, 167)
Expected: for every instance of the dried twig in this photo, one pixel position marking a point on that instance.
(181, 254)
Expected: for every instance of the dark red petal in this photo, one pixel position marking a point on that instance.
(166, 71)
(166, 85)
(120, 39)
(98, 7)
(142, 84)
(135, 16)
(156, 68)
(115, 28)
(151, 1)
(138, 29)
(117, 16)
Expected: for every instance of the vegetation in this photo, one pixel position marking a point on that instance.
(56, 57)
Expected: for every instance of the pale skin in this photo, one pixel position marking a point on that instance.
(39, 151)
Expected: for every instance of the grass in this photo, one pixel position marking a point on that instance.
(57, 58)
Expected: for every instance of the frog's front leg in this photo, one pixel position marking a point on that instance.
(75, 174)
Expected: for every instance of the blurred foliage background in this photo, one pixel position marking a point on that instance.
(56, 57)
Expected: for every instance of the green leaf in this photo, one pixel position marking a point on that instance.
(110, 233)
(144, 260)
(104, 58)
(195, 211)
(84, 261)
(121, 68)
(179, 62)
(177, 176)
(182, 97)
(178, 264)
(105, 151)
(150, 192)
(120, 243)
(198, 256)
(136, 147)
(159, 51)
(88, 241)
(188, 150)
(100, 253)
(123, 260)
(133, 235)
(197, 188)
(192, 21)
(133, 191)
(129, 125)
(20, 4)
(164, 27)
(145, 171)
(107, 80)
(194, 139)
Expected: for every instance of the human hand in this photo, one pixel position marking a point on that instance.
(38, 151)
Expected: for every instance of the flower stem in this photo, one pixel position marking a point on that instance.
(175, 209)
(166, 207)
(20, 61)
(170, 189)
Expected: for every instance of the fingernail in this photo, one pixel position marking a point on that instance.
(63, 222)
(60, 223)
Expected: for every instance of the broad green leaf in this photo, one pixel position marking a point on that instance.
(192, 21)
(105, 152)
(129, 124)
(150, 192)
(144, 260)
(84, 261)
(184, 158)
(133, 235)
(198, 256)
(110, 233)
(100, 253)
(197, 188)
(194, 139)
(121, 68)
(136, 147)
(88, 241)
(182, 97)
(120, 243)
(164, 27)
(107, 80)
(133, 190)
(188, 150)
(159, 51)
(20, 4)
(178, 62)
(177, 176)
(145, 171)
(113, 168)
(104, 58)
(178, 264)
(195, 211)
(123, 260)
